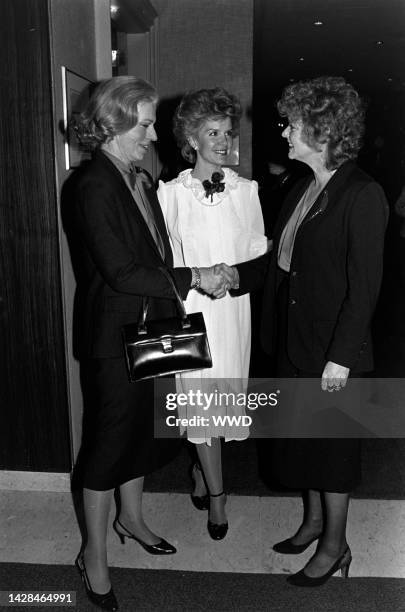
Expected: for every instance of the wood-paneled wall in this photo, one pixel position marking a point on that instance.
(34, 421)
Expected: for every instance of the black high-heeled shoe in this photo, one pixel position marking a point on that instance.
(106, 601)
(342, 564)
(161, 548)
(201, 502)
(217, 532)
(286, 547)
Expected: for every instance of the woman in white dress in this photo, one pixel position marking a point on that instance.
(213, 215)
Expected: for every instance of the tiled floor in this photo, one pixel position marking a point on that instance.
(41, 527)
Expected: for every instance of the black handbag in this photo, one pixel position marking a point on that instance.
(166, 346)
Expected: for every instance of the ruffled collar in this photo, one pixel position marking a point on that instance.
(185, 178)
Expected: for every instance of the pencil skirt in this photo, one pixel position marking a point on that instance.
(118, 427)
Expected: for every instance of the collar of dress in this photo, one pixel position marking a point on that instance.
(231, 179)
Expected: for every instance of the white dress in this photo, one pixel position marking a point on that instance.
(202, 233)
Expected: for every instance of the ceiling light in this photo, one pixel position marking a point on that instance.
(389, 79)
(301, 59)
(318, 23)
(114, 9)
(379, 43)
(350, 70)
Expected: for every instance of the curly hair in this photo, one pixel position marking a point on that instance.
(331, 111)
(112, 109)
(195, 108)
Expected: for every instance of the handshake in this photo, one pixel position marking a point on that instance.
(219, 279)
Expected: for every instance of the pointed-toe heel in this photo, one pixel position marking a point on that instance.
(286, 547)
(105, 601)
(217, 531)
(161, 548)
(342, 564)
(201, 502)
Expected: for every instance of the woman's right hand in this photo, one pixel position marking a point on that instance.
(334, 377)
(213, 282)
(230, 273)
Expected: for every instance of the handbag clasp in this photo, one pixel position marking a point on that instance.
(167, 345)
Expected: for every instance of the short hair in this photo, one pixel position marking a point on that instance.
(195, 108)
(112, 109)
(331, 111)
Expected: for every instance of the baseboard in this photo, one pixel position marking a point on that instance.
(34, 481)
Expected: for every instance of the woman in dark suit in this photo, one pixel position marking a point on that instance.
(321, 288)
(124, 242)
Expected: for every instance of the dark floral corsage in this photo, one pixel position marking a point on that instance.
(215, 185)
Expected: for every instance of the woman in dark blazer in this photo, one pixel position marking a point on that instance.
(124, 242)
(320, 292)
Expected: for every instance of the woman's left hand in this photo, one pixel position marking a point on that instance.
(334, 376)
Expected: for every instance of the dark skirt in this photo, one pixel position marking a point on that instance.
(118, 431)
(328, 464)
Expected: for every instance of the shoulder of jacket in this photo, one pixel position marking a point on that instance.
(360, 178)
(98, 177)
(363, 189)
(100, 166)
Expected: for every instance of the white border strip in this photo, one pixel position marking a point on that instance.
(34, 481)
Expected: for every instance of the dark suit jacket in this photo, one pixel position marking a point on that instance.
(335, 273)
(121, 258)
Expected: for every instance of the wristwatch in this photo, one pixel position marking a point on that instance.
(195, 278)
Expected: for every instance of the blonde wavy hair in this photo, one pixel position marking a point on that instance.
(112, 109)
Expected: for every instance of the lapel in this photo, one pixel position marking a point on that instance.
(331, 193)
(128, 202)
(288, 208)
(325, 200)
(153, 200)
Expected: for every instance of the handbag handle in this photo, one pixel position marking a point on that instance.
(184, 320)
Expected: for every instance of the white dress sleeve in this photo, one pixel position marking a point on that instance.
(258, 239)
(167, 196)
(162, 193)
